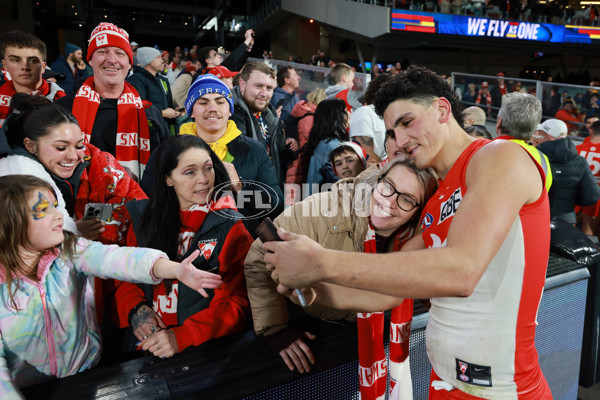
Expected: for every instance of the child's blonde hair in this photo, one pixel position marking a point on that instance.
(15, 191)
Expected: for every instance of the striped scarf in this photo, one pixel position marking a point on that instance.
(373, 366)
(7, 91)
(133, 136)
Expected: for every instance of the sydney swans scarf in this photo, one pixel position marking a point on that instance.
(373, 366)
(133, 136)
(7, 91)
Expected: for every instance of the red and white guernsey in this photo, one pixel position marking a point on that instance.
(484, 344)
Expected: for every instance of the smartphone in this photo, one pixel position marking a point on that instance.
(267, 232)
(102, 211)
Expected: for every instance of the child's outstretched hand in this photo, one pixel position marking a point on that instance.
(196, 278)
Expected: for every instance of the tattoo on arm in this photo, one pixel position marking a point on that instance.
(141, 317)
(364, 140)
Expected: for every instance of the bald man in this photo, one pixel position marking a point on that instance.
(474, 116)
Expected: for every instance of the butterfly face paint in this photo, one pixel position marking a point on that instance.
(41, 207)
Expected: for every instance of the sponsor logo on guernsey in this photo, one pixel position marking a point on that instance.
(474, 374)
(206, 248)
(368, 376)
(449, 207)
(427, 221)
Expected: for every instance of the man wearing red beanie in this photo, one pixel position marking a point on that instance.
(110, 111)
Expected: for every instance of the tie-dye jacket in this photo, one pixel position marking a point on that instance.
(55, 333)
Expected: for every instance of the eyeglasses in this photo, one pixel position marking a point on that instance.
(405, 201)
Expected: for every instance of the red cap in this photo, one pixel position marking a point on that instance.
(164, 53)
(222, 72)
(484, 84)
(109, 35)
(500, 74)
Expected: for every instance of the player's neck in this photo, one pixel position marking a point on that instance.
(457, 141)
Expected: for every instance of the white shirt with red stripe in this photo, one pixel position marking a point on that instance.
(484, 344)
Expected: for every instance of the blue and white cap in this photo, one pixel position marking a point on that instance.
(207, 84)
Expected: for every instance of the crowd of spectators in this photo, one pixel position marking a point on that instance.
(556, 12)
(188, 150)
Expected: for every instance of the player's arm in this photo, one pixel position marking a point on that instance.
(501, 178)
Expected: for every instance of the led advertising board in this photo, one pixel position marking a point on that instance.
(464, 25)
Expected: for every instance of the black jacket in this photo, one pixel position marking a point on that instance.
(573, 183)
(151, 88)
(249, 125)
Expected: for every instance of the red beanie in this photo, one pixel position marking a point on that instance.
(109, 35)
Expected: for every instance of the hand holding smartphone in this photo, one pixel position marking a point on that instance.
(267, 232)
(102, 211)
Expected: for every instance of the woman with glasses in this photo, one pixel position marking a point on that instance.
(375, 212)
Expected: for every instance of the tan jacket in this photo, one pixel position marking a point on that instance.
(327, 218)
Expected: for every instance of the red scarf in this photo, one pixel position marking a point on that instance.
(7, 91)
(488, 99)
(373, 367)
(133, 136)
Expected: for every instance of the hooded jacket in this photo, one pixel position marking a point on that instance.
(573, 183)
(345, 94)
(304, 113)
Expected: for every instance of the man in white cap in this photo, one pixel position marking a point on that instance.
(574, 183)
(111, 114)
(150, 85)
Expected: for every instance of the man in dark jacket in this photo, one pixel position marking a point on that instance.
(150, 85)
(574, 183)
(255, 117)
(71, 65)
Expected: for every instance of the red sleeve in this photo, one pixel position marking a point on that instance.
(127, 295)
(229, 309)
(105, 181)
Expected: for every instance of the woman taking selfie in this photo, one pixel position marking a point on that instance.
(376, 212)
(189, 210)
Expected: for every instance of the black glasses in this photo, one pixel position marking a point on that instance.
(405, 201)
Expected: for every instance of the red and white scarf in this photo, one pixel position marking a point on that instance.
(373, 366)
(7, 91)
(133, 136)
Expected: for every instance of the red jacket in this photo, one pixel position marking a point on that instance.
(227, 312)
(105, 181)
(297, 170)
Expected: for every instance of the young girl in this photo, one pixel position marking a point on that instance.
(48, 322)
(187, 212)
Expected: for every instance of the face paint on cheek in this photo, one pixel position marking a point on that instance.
(40, 209)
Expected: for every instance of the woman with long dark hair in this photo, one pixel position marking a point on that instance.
(49, 135)
(190, 209)
(328, 132)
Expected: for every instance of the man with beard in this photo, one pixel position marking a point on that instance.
(71, 65)
(254, 116)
